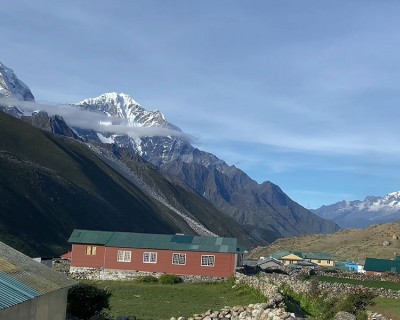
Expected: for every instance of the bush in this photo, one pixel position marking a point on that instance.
(352, 303)
(169, 279)
(85, 300)
(148, 279)
(231, 280)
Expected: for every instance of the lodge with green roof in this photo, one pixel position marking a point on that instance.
(174, 254)
(374, 266)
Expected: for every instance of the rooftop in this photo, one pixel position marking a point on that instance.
(22, 278)
(155, 241)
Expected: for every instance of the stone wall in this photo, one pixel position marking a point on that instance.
(360, 276)
(259, 311)
(81, 273)
(269, 284)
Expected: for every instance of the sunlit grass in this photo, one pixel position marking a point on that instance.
(150, 301)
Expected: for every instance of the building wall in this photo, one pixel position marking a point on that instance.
(224, 266)
(79, 258)
(51, 306)
(323, 263)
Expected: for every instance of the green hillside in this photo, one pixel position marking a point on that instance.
(379, 241)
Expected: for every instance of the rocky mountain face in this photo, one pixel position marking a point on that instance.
(361, 214)
(12, 87)
(264, 209)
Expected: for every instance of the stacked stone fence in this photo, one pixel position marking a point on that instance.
(359, 276)
(85, 273)
(269, 285)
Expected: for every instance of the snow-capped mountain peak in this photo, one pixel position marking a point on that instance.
(123, 106)
(12, 87)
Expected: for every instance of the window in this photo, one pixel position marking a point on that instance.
(90, 250)
(208, 261)
(178, 258)
(150, 257)
(124, 256)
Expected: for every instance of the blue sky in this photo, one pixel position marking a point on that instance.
(301, 93)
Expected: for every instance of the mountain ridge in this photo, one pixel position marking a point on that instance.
(359, 214)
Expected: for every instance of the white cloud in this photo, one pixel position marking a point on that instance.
(75, 117)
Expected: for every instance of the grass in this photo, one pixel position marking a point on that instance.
(389, 307)
(149, 301)
(364, 283)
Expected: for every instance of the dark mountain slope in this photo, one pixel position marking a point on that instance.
(50, 185)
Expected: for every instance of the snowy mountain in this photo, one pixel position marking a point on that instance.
(12, 87)
(263, 209)
(360, 214)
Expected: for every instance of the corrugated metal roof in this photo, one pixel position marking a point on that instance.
(22, 278)
(156, 241)
(382, 265)
(14, 292)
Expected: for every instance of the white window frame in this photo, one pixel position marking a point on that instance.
(207, 261)
(149, 257)
(179, 258)
(124, 256)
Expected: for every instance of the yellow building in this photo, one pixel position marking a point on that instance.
(322, 259)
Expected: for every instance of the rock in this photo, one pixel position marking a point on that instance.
(342, 315)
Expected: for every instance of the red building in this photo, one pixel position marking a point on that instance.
(173, 254)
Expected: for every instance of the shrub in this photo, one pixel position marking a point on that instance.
(85, 300)
(148, 279)
(231, 280)
(169, 279)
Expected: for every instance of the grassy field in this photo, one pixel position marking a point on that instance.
(366, 283)
(386, 306)
(149, 301)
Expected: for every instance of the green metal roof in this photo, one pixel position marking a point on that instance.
(155, 241)
(316, 255)
(279, 254)
(92, 237)
(382, 265)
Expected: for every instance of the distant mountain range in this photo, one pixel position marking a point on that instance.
(361, 214)
(201, 191)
